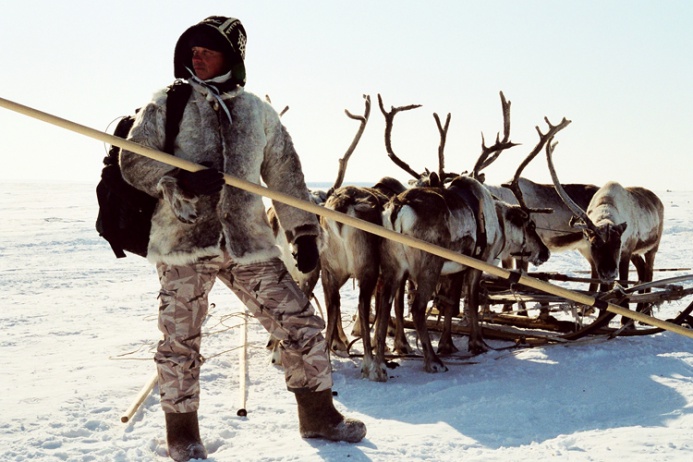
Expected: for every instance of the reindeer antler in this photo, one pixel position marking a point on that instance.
(283, 111)
(490, 154)
(443, 130)
(514, 185)
(357, 137)
(389, 116)
(569, 202)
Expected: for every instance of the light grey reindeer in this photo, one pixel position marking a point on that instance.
(549, 212)
(621, 225)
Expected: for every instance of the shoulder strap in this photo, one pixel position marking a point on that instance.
(178, 95)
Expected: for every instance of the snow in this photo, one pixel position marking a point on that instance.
(78, 328)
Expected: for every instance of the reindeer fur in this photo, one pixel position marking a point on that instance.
(628, 225)
(463, 218)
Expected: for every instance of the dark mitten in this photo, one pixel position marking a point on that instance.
(201, 183)
(306, 254)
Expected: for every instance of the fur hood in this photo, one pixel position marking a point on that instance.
(244, 139)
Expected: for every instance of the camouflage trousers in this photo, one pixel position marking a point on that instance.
(270, 294)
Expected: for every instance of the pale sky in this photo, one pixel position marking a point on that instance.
(622, 71)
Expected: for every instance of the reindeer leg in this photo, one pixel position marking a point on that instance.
(594, 275)
(623, 268)
(373, 368)
(644, 266)
(451, 291)
(369, 367)
(334, 335)
(401, 344)
(508, 263)
(476, 341)
(424, 289)
(274, 346)
(639, 263)
(357, 330)
(523, 266)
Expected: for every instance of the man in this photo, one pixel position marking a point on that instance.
(203, 230)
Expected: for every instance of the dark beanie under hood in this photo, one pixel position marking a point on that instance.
(217, 33)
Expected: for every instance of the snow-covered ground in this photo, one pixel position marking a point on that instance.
(78, 327)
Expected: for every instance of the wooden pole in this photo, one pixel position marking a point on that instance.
(348, 220)
(243, 368)
(139, 399)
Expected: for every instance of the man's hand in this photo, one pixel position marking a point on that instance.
(306, 254)
(201, 183)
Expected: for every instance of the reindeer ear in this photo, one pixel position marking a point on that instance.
(516, 215)
(621, 228)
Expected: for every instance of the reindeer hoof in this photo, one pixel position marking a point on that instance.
(339, 347)
(447, 348)
(435, 366)
(276, 359)
(374, 372)
(340, 354)
(403, 349)
(477, 348)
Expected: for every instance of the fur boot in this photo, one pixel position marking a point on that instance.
(183, 437)
(318, 418)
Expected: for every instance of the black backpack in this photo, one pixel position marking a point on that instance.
(125, 212)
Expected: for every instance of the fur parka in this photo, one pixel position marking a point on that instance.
(253, 146)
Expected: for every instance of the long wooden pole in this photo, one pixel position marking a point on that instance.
(243, 369)
(139, 399)
(348, 220)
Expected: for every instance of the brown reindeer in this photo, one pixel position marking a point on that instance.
(347, 252)
(308, 281)
(462, 217)
(621, 225)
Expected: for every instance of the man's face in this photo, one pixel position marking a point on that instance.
(207, 63)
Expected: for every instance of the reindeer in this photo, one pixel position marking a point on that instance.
(549, 212)
(554, 227)
(347, 252)
(551, 217)
(335, 335)
(621, 225)
(462, 217)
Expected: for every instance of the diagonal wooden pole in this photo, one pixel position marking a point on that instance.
(141, 396)
(351, 221)
(243, 369)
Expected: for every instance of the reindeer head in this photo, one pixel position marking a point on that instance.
(389, 186)
(605, 249)
(603, 237)
(521, 238)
